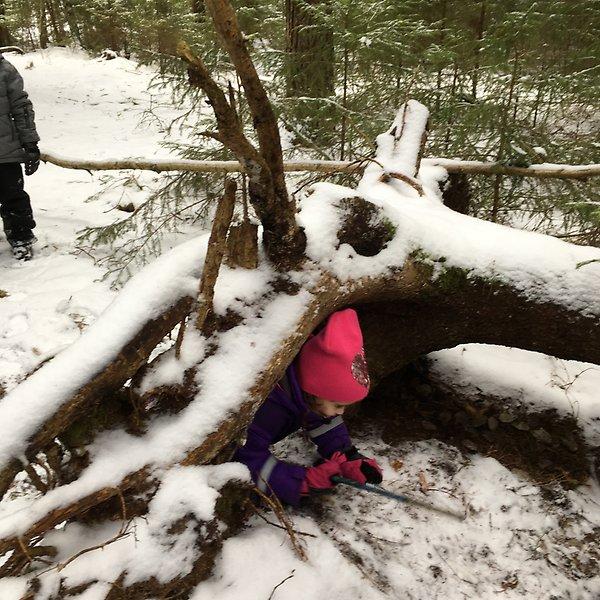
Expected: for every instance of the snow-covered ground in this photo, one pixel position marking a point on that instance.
(518, 541)
(87, 109)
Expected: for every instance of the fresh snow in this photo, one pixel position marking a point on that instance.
(540, 382)
(57, 306)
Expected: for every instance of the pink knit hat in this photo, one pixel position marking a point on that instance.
(331, 364)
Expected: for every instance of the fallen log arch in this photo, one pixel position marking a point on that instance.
(392, 308)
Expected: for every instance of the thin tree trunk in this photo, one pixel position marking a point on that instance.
(344, 104)
(538, 101)
(480, 32)
(451, 111)
(309, 51)
(503, 138)
(167, 37)
(43, 24)
(440, 73)
(5, 37)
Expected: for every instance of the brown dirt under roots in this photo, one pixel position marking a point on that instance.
(546, 446)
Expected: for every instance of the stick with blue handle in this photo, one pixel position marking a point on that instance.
(376, 489)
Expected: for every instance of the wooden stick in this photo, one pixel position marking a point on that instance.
(405, 178)
(275, 504)
(558, 171)
(217, 244)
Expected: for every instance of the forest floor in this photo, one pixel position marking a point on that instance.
(507, 438)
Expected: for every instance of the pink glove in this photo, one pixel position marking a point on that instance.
(362, 470)
(319, 476)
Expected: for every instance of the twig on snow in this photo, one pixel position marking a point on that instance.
(277, 508)
(281, 583)
(261, 516)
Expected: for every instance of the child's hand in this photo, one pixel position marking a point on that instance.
(319, 477)
(360, 468)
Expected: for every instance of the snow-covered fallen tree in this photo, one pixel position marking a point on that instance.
(140, 445)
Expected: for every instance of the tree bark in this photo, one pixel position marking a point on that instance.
(480, 30)
(578, 172)
(457, 193)
(71, 17)
(5, 37)
(166, 34)
(58, 30)
(285, 242)
(309, 51)
(43, 24)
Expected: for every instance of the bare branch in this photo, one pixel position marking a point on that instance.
(265, 123)
(558, 171)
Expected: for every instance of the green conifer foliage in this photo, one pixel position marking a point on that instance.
(514, 81)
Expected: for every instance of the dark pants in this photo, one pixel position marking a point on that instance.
(15, 206)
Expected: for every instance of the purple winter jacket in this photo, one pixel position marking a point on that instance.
(283, 412)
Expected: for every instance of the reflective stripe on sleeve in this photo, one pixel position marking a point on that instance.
(317, 431)
(265, 473)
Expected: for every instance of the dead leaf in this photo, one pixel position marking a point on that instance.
(423, 483)
(510, 582)
(397, 464)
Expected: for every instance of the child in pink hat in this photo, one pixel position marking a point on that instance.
(329, 373)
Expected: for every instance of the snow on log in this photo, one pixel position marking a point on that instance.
(109, 353)
(528, 282)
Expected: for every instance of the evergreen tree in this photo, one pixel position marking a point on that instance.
(514, 81)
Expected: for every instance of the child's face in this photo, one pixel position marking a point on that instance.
(326, 408)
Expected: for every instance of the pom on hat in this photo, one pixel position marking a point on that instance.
(331, 364)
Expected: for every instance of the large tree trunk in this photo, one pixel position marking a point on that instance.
(58, 30)
(309, 51)
(43, 23)
(71, 16)
(166, 34)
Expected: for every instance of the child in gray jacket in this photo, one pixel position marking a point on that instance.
(18, 144)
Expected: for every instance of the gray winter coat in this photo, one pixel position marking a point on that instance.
(17, 125)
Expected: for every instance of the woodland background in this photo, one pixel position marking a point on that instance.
(515, 82)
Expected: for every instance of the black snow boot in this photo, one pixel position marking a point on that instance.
(23, 250)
